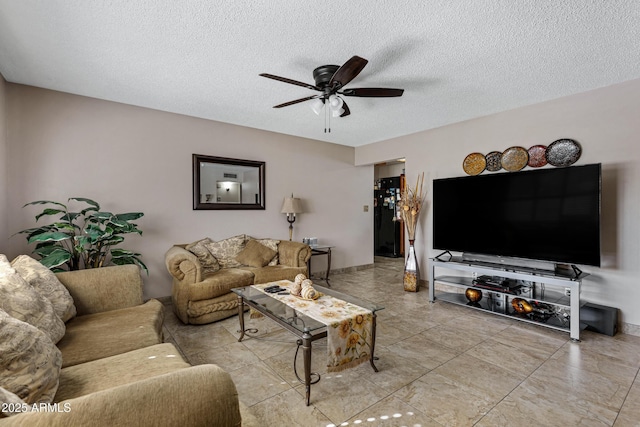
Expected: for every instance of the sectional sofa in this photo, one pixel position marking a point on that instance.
(82, 348)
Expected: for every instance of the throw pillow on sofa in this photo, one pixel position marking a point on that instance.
(273, 244)
(47, 284)
(22, 301)
(255, 254)
(29, 361)
(208, 262)
(225, 251)
(11, 403)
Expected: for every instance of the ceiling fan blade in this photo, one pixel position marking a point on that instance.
(293, 82)
(348, 71)
(345, 107)
(373, 92)
(297, 101)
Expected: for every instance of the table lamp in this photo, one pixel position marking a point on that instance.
(291, 207)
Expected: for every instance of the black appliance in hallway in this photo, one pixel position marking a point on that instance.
(388, 238)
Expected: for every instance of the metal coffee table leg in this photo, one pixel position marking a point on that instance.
(241, 316)
(306, 352)
(373, 342)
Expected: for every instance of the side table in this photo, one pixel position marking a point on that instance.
(321, 250)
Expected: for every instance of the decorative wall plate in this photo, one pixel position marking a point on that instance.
(474, 163)
(494, 161)
(537, 156)
(514, 159)
(563, 152)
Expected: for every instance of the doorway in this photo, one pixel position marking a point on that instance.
(388, 228)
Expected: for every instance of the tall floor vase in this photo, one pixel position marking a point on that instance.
(411, 271)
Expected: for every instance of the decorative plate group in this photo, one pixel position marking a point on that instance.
(563, 152)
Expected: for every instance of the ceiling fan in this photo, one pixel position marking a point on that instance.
(330, 81)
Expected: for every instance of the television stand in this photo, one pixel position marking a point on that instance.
(576, 270)
(447, 253)
(546, 298)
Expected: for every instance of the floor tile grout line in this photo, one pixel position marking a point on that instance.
(522, 382)
(636, 378)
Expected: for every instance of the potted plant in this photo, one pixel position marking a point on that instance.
(83, 239)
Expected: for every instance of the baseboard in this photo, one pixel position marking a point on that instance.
(630, 329)
(344, 270)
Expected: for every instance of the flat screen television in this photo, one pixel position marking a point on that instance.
(548, 214)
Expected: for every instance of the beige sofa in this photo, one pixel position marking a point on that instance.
(201, 295)
(115, 369)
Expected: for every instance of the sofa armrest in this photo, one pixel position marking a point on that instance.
(202, 395)
(186, 270)
(183, 265)
(95, 290)
(293, 254)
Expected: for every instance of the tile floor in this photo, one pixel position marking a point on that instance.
(440, 365)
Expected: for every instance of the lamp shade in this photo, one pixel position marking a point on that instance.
(291, 205)
(335, 102)
(317, 105)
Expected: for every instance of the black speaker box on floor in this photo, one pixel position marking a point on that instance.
(599, 318)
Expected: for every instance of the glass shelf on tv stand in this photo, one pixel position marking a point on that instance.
(556, 296)
(566, 274)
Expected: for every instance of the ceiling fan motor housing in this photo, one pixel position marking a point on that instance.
(322, 75)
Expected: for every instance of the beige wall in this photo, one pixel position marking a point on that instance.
(386, 171)
(604, 121)
(3, 161)
(136, 159)
(55, 146)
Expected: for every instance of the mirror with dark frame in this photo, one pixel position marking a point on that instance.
(223, 183)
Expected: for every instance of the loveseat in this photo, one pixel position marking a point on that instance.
(109, 367)
(204, 272)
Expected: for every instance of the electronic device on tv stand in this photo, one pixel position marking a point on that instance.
(499, 284)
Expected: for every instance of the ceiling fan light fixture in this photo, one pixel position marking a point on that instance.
(337, 113)
(317, 105)
(335, 102)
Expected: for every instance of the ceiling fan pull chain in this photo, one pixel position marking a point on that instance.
(327, 118)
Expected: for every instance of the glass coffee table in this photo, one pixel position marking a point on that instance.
(304, 327)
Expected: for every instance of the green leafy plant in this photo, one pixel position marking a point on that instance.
(83, 239)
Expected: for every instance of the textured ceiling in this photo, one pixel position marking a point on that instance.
(456, 59)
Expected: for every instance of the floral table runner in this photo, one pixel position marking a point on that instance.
(348, 325)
